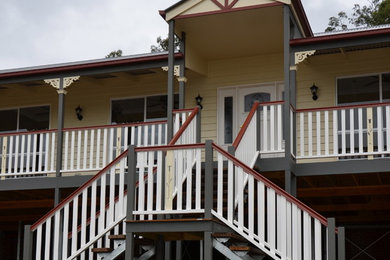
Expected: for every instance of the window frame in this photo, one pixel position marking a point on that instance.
(379, 74)
(18, 116)
(145, 106)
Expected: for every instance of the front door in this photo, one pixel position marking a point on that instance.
(234, 105)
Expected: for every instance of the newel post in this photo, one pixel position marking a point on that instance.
(27, 243)
(208, 199)
(130, 182)
(331, 238)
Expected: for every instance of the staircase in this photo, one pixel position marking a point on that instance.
(146, 184)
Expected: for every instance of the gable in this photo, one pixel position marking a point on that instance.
(201, 7)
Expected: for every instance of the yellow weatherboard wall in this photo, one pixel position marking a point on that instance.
(228, 73)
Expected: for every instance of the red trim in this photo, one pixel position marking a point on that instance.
(342, 107)
(182, 110)
(233, 3)
(298, 7)
(228, 10)
(249, 118)
(340, 36)
(77, 192)
(270, 184)
(184, 126)
(246, 124)
(28, 132)
(218, 4)
(116, 126)
(169, 147)
(108, 63)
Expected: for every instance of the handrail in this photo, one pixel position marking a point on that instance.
(245, 126)
(83, 128)
(341, 107)
(269, 184)
(78, 191)
(169, 147)
(185, 125)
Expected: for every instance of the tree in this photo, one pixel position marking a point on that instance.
(375, 13)
(113, 54)
(162, 44)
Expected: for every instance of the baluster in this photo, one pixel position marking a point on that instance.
(317, 240)
(261, 210)
(91, 148)
(272, 128)
(74, 224)
(271, 227)
(66, 144)
(141, 186)
(310, 133)
(46, 152)
(265, 128)
(150, 183)
(22, 154)
(56, 234)
(97, 164)
(159, 196)
(335, 133)
(220, 185)
(78, 150)
(360, 126)
(280, 128)
(306, 236)
(302, 134)
(380, 128)
(351, 131)
(188, 171)
(40, 156)
(52, 156)
(198, 178)
(251, 205)
(343, 132)
(65, 232)
(85, 154)
(387, 128)
(28, 159)
(72, 151)
(318, 122)
(16, 160)
(326, 132)
(47, 238)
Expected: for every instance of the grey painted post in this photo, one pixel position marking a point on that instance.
(171, 61)
(27, 243)
(130, 182)
(208, 246)
(178, 249)
(331, 238)
(19, 243)
(341, 243)
(182, 81)
(208, 190)
(60, 126)
(167, 250)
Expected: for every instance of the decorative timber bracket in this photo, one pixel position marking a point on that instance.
(56, 83)
(176, 72)
(302, 55)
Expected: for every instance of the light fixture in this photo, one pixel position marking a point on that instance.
(79, 110)
(199, 101)
(314, 90)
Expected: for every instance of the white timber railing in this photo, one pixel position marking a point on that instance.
(91, 148)
(261, 133)
(344, 132)
(83, 220)
(175, 188)
(266, 215)
(27, 153)
(186, 125)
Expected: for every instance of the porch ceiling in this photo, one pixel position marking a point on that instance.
(234, 34)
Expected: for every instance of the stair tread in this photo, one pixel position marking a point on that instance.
(229, 235)
(102, 250)
(117, 237)
(249, 249)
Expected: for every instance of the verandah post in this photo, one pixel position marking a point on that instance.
(208, 199)
(27, 243)
(130, 182)
(171, 61)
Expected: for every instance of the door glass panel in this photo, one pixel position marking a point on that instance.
(228, 115)
(34, 118)
(358, 89)
(251, 98)
(8, 119)
(127, 111)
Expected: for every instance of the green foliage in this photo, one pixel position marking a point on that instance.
(162, 44)
(375, 13)
(113, 54)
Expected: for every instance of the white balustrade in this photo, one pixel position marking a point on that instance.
(344, 132)
(186, 120)
(273, 218)
(27, 154)
(67, 228)
(270, 132)
(182, 181)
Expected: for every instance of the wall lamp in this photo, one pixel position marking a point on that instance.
(198, 100)
(79, 112)
(314, 91)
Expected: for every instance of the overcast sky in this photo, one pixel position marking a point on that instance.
(54, 31)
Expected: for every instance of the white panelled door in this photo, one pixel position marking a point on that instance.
(235, 103)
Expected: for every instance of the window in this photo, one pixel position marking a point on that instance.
(363, 89)
(25, 119)
(141, 109)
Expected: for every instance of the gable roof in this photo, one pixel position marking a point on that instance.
(182, 9)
